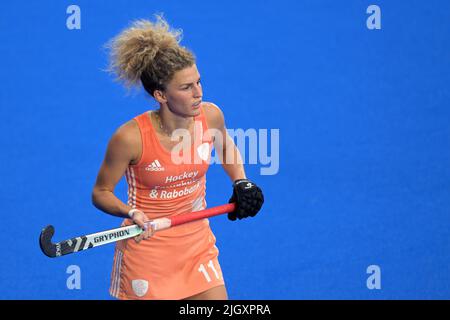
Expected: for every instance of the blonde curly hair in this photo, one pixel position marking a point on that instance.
(149, 54)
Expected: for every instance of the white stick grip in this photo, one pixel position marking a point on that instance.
(160, 224)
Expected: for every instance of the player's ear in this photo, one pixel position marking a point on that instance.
(160, 96)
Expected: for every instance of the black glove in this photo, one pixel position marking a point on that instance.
(248, 198)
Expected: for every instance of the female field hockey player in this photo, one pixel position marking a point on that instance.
(165, 172)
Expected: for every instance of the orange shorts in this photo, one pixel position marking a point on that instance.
(172, 264)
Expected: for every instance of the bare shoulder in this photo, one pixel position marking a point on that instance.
(128, 132)
(126, 140)
(214, 115)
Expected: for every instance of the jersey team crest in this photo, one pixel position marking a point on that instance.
(140, 287)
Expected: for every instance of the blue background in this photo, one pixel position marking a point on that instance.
(364, 122)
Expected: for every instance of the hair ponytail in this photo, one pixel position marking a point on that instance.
(149, 54)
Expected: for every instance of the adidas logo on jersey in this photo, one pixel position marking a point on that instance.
(155, 166)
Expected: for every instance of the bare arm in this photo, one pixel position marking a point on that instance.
(120, 153)
(246, 194)
(225, 147)
(123, 149)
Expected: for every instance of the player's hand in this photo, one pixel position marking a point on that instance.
(140, 219)
(248, 198)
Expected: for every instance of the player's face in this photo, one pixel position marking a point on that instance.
(184, 92)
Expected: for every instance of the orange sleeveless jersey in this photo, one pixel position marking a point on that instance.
(181, 261)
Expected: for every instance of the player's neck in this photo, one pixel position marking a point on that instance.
(171, 121)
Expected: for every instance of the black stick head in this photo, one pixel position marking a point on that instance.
(45, 241)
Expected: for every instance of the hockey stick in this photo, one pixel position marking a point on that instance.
(77, 244)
